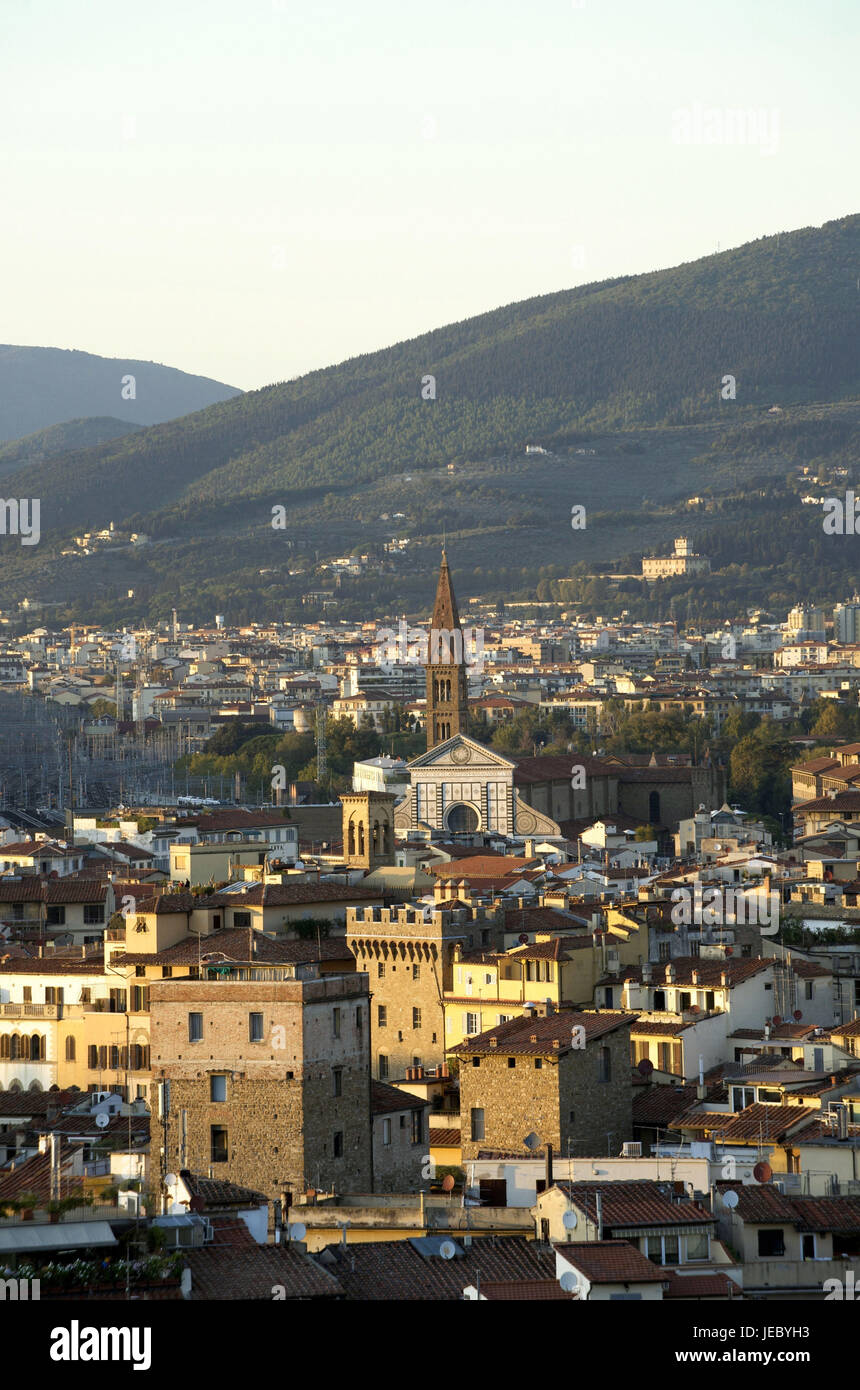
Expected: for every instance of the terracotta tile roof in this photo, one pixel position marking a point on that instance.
(649, 1029)
(484, 866)
(445, 1138)
(34, 1175)
(219, 1192)
(55, 964)
(385, 1100)
(610, 1262)
(768, 1122)
(694, 1118)
(848, 1030)
(659, 1104)
(524, 1291)
(233, 943)
(637, 1203)
(700, 1286)
(52, 890)
(738, 969)
(36, 1103)
(234, 1266)
(766, 1204)
(557, 949)
(537, 1037)
(406, 1271)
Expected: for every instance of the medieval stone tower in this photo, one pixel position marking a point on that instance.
(447, 687)
(368, 829)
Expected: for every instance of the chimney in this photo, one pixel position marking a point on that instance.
(724, 978)
(548, 1167)
(696, 977)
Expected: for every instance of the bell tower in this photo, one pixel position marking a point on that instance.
(447, 686)
(368, 829)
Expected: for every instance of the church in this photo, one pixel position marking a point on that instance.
(461, 787)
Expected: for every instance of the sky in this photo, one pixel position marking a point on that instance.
(252, 190)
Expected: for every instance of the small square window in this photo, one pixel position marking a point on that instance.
(512, 1061)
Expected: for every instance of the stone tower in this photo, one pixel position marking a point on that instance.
(447, 687)
(368, 829)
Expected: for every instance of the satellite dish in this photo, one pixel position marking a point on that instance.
(762, 1172)
(569, 1282)
(298, 1231)
(569, 1220)
(448, 1183)
(102, 1121)
(798, 1015)
(730, 1198)
(645, 1067)
(447, 1249)
(776, 1020)
(170, 1180)
(523, 938)
(531, 1141)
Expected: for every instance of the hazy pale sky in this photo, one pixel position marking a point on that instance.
(251, 190)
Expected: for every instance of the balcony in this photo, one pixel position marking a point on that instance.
(32, 1010)
(115, 934)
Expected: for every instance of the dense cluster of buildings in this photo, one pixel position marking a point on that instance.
(484, 1027)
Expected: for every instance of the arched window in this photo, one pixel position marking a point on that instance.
(70, 1049)
(37, 1048)
(4, 1046)
(14, 1047)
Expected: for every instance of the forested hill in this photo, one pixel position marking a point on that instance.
(43, 386)
(779, 314)
(60, 439)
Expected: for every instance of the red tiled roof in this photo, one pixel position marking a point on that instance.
(400, 1271)
(234, 1266)
(637, 1203)
(445, 1138)
(536, 1037)
(716, 1285)
(385, 1100)
(610, 1262)
(524, 1290)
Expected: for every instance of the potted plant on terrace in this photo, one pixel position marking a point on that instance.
(27, 1203)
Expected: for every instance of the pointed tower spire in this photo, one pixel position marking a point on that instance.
(447, 688)
(445, 616)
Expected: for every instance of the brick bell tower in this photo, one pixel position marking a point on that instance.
(447, 687)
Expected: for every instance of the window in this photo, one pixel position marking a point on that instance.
(810, 989)
(335, 1023)
(808, 1246)
(195, 1027)
(416, 972)
(139, 999)
(166, 972)
(94, 914)
(512, 1061)
(604, 1065)
(771, 1244)
(417, 1126)
(359, 1019)
(664, 1250)
(477, 1125)
(117, 1001)
(380, 969)
(218, 1144)
(55, 916)
(470, 1024)
(241, 919)
(114, 1058)
(337, 1081)
(386, 1131)
(218, 1089)
(338, 1143)
(538, 1063)
(698, 1246)
(742, 1096)
(28, 994)
(70, 1049)
(416, 1018)
(383, 1066)
(140, 972)
(93, 1057)
(86, 994)
(381, 1016)
(255, 1027)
